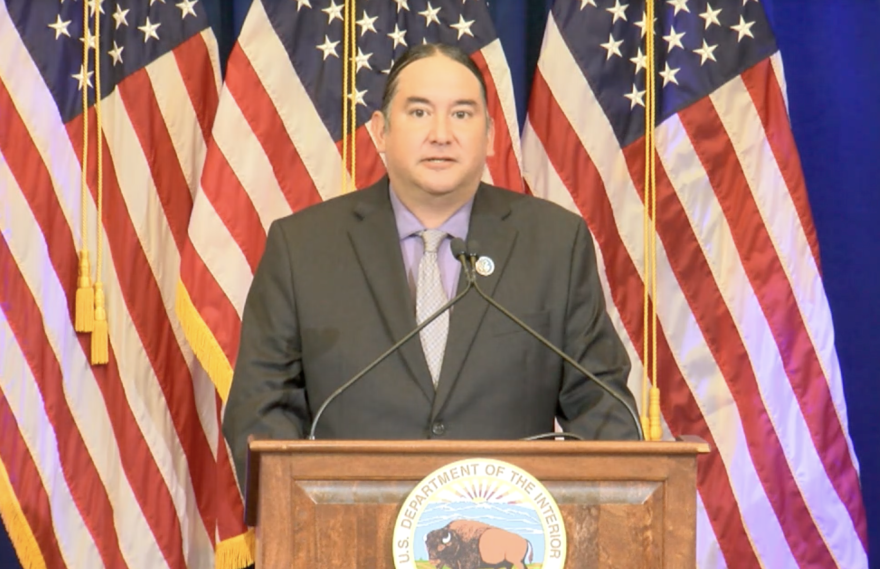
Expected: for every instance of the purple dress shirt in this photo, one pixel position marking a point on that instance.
(412, 247)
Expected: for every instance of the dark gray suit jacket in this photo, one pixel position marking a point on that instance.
(330, 295)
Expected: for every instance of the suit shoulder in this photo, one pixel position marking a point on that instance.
(527, 207)
(329, 213)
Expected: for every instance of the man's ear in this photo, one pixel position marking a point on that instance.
(377, 127)
(491, 135)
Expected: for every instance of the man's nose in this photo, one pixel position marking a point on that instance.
(440, 129)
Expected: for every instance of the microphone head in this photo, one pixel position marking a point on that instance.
(459, 249)
(473, 248)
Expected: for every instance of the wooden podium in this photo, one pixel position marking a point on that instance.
(333, 504)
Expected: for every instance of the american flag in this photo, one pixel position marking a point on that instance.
(746, 345)
(277, 138)
(121, 465)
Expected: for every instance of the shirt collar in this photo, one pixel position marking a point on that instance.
(408, 224)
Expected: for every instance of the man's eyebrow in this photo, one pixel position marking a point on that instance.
(423, 101)
(417, 101)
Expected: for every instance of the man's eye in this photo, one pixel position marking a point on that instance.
(461, 114)
(418, 112)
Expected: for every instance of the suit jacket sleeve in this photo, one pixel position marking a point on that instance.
(267, 397)
(590, 338)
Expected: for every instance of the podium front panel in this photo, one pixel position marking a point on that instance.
(334, 504)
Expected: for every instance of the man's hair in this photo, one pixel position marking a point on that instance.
(423, 51)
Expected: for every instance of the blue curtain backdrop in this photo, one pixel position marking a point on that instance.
(830, 52)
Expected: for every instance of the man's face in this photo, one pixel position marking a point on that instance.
(439, 134)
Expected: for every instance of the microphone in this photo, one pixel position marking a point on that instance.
(469, 257)
(458, 249)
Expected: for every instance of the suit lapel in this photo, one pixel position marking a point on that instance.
(377, 245)
(495, 239)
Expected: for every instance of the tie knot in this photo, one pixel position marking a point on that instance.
(432, 239)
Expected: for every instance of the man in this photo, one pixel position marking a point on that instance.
(341, 281)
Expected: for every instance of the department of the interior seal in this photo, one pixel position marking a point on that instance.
(479, 513)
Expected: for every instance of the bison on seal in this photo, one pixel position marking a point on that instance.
(469, 544)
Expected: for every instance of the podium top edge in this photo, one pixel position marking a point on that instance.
(688, 445)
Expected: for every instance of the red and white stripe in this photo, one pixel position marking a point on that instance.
(125, 456)
(746, 343)
(271, 155)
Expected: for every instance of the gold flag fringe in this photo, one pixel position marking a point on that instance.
(203, 342)
(20, 533)
(236, 552)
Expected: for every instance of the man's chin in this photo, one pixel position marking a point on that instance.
(436, 186)
(440, 192)
(444, 188)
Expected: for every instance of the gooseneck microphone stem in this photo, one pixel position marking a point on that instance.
(471, 255)
(554, 436)
(391, 350)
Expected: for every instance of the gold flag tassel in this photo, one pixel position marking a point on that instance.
(100, 335)
(84, 313)
(650, 416)
(100, 339)
(84, 310)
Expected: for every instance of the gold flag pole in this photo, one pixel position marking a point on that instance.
(352, 33)
(650, 393)
(349, 98)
